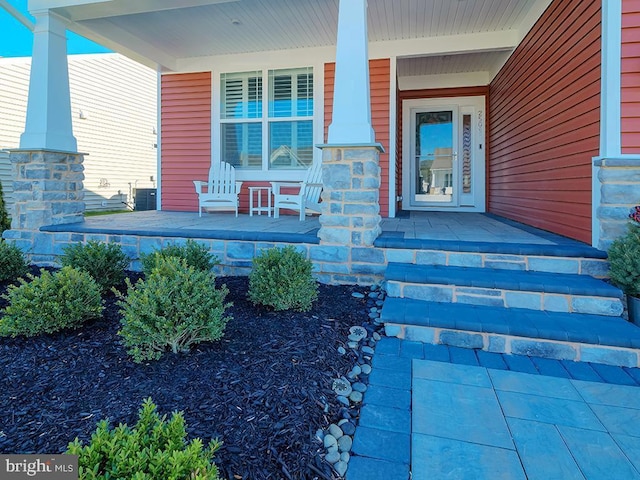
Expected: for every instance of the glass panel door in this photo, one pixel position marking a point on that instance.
(434, 167)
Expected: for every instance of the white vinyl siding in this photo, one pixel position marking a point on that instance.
(117, 97)
(5, 179)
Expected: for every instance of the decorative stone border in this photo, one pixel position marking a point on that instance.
(337, 438)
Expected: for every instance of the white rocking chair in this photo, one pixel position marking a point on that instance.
(307, 196)
(222, 190)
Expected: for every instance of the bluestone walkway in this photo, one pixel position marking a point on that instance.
(448, 413)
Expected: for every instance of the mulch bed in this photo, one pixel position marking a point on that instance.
(263, 389)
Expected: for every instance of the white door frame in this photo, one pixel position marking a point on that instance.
(473, 201)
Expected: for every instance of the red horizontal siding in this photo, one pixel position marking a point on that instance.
(544, 121)
(186, 137)
(379, 81)
(630, 93)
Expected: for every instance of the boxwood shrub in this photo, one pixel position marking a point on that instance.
(12, 262)
(624, 261)
(174, 307)
(153, 449)
(281, 279)
(50, 302)
(105, 262)
(193, 253)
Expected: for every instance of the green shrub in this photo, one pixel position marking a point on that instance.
(175, 306)
(194, 253)
(154, 449)
(282, 279)
(5, 221)
(50, 302)
(624, 261)
(12, 262)
(105, 262)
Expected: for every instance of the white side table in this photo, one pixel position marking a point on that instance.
(257, 206)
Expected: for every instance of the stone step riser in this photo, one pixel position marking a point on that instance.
(498, 343)
(541, 301)
(593, 267)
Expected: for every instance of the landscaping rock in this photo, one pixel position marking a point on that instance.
(335, 431)
(332, 457)
(359, 387)
(355, 397)
(329, 441)
(348, 428)
(341, 386)
(341, 468)
(344, 443)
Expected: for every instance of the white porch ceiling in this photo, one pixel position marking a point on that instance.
(166, 32)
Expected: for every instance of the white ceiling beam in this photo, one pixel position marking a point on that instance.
(15, 13)
(283, 58)
(92, 9)
(38, 5)
(401, 48)
(446, 80)
(446, 45)
(142, 52)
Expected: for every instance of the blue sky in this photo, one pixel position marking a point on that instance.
(17, 41)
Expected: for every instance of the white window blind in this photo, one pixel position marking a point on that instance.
(287, 125)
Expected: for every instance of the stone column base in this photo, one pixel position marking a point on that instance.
(350, 198)
(47, 190)
(619, 192)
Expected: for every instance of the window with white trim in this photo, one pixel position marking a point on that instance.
(286, 125)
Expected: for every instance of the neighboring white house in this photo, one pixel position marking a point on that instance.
(114, 110)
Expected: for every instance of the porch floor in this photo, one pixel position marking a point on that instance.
(428, 226)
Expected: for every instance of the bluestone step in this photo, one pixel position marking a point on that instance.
(562, 336)
(503, 288)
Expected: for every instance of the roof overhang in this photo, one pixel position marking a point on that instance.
(189, 35)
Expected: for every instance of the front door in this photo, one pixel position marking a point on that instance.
(443, 154)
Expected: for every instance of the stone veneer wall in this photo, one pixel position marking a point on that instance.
(350, 197)
(332, 264)
(47, 190)
(619, 192)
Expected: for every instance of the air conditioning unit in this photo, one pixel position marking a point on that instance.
(145, 199)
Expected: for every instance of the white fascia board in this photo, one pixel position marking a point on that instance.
(78, 10)
(39, 5)
(256, 60)
(144, 53)
(446, 45)
(19, 16)
(400, 48)
(449, 80)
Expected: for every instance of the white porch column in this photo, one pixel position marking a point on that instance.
(616, 176)
(610, 121)
(350, 161)
(351, 120)
(48, 125)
